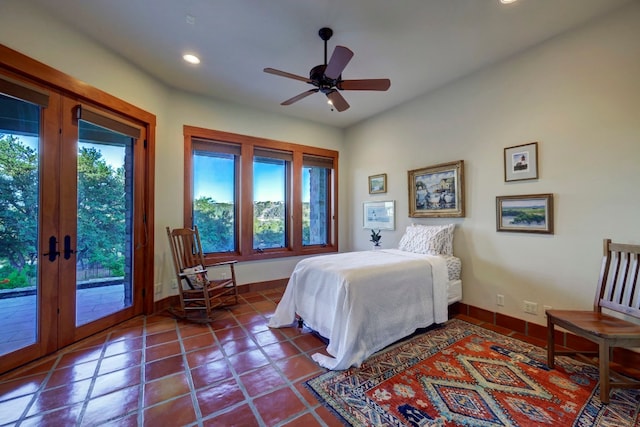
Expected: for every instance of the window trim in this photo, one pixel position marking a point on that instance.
(244, 198)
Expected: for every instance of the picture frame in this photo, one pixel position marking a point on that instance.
(532, 213)
(379, 215)
(378, 183)
(521, 162)
(437, 191)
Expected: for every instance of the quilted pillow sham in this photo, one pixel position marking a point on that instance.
(428, 239)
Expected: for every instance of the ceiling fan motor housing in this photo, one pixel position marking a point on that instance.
(318, 79)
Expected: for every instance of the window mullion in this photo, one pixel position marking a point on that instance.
(246, 200)
(296, 201)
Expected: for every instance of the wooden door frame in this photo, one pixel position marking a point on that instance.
(21, 67)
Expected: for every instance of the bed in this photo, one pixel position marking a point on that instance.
(363, 301)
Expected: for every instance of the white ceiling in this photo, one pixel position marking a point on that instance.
(419, 44)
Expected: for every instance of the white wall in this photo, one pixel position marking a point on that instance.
(578, 96)
(31, 31)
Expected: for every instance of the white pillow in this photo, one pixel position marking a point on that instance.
(196, 277)
(428, 239)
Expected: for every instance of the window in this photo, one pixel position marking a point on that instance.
(254, 198)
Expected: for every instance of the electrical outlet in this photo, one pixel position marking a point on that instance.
(530, 307)
(500, 300)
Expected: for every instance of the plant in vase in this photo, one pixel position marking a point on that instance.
(375, 238)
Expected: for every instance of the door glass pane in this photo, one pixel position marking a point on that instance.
(19, 198)
(104, 273)
(214, 190)
(269, 177)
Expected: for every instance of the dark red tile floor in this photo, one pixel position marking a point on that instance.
(158, 371)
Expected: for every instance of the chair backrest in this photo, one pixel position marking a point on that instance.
(618, 287)
(186, 248)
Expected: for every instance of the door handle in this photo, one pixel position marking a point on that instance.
(53, 253)
(67, 247)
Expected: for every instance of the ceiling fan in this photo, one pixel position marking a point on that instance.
(327, 77)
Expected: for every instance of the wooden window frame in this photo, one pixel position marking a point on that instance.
(244, 200)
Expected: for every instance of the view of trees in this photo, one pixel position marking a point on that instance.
(101, 214)
(216, 226)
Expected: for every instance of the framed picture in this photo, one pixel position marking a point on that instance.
(521, 162)
(532, 213)
(437, 191)
(378, 183)
(379, 215)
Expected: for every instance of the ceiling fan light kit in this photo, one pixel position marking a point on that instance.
(327, 77)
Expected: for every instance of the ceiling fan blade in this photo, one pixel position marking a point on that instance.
(339, 60)
(365, 84)
(285, 74)
(337, 100)
(299, 97)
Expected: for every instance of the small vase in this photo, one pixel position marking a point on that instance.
(377, 246)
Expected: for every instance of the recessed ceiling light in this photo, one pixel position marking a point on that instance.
(507, 1)
(191, 59)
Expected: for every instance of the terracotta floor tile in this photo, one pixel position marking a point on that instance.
(73, 373)
(268, 337)
(122, 346)
(163, 350)
(308, 342)
(163, 367)
(253, 298)
(246, 319)
(198, 341)
(257, 326)
(120, 361)
(230, 334)
(330, 419)
(219, 396)
(130, 420)
(161, 338)
(305, 392)
(262, 380)
(111, 405)
(298, 367)
(210, 373)
(165, 388)
(126, 333)
(67, 416)
(239, 417)
(162, 325)
(280, 350)
(60, 396)
(279, 405)
(223, 323)
(204, 355)
(80, 356)
(305, 420)
(238, 346)
(176, 412)
(11, 410)
(193, 329)
(116, 380)
(20, 386)
(265, 307)
(247, 361)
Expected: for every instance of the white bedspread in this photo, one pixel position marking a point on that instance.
(364, 301)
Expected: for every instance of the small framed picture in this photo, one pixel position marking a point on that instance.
(531, 213)
(378, 183)
(379, 215)
(521, 162)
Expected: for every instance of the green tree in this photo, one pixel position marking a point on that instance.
(215, 223)
(18, 202)
(101, 212)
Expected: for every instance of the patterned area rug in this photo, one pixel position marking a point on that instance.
(463, 375)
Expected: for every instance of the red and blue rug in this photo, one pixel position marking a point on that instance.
(464, 375)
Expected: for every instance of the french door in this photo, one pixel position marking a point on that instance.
(72, 220)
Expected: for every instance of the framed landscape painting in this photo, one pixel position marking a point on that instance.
(531, 213)
(437, 191)
(378, 183)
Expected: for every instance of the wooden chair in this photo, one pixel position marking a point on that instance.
(199, 294)
(618, 291)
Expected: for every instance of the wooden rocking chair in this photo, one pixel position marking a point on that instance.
(618, 291)
(199, 294)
